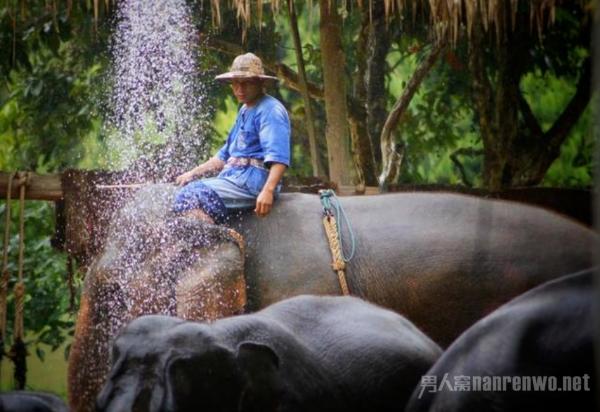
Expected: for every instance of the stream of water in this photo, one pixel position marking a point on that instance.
(157, 122)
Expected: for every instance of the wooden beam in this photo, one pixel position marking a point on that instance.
(39, 187)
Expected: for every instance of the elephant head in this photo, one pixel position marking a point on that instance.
(153, 262)
(166, 364)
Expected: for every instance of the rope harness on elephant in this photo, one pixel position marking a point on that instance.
(18, 351)
(332, 211)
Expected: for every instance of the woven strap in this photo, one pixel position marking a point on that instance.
(336, 252)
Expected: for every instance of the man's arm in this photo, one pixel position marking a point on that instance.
(264, 201)
(211, 165)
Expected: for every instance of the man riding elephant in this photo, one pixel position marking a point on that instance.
(171, 264)
(252, 160)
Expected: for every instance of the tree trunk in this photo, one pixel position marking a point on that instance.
(516, 152)
(378, 47)
(362, 151)
(391, 153)
(530, 166)
(499, 149)
(333, 61)
(483, 102)
(368, 107)
(317, 167)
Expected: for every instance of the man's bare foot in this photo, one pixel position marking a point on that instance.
(199, 214)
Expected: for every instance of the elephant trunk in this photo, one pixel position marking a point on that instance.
(89, 357)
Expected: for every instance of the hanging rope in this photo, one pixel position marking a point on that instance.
(332, 210)
(5, 275)
(18, 352)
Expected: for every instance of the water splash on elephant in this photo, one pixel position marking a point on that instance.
(157, 103)
(154, 262)
(151, 253)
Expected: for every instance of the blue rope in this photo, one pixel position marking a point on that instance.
(333, 207)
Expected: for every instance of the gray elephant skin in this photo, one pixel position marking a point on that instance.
(442, 260)
(546, 333)
(28, 401)
(303, 354)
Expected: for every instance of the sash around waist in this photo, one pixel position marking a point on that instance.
(245, 161)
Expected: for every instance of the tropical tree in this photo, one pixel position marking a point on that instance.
(506, 40)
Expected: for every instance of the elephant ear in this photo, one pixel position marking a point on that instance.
(207, 380)
(260, 369)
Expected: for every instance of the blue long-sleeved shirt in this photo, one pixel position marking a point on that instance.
(261, 132)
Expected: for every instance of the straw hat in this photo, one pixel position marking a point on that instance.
(245, 66)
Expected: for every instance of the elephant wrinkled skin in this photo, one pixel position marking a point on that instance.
(442, 260)
(305, 353)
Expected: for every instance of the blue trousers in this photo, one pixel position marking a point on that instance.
(214, 196)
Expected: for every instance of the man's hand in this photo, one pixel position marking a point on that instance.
(185, 178)
(264, 202)
(212, 164)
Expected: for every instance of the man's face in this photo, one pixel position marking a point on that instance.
(247, 90)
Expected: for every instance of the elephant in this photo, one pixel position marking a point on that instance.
(28, 401)
(306, 353)
(442, 260)
(542, 338)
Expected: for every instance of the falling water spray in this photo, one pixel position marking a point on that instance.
(157, 102)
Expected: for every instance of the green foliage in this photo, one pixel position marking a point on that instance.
(439, 120)
(50, 110)
(223, 122)
(564, 43)
(49, 120)
(45, 275)
(548, 95)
